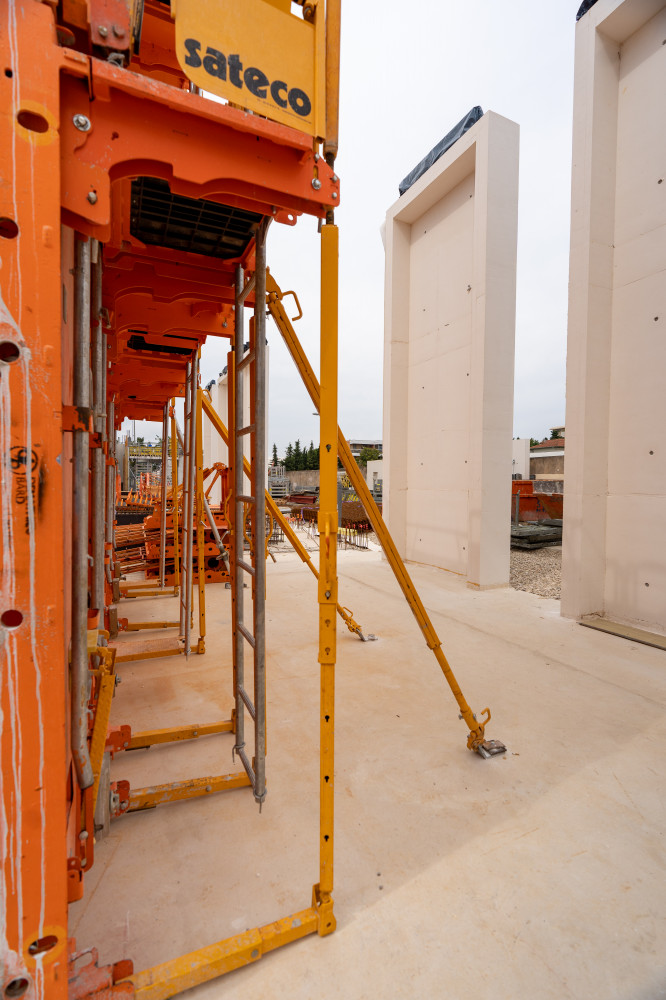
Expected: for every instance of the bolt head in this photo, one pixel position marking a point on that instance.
(316, 183)
(334, 195)
(209, 788)
(316, 157)
(118, 31)
(335, 178)
(82, 123)
(92, 197)
(103, 30)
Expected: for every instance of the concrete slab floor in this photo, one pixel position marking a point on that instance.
(540, 873)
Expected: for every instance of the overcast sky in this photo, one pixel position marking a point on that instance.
(409, 73)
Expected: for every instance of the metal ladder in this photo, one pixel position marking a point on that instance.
(255, 361)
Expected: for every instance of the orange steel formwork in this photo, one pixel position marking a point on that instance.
(130, 204)
(134, 213)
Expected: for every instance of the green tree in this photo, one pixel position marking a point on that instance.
(554, 434)
(289, 458)
(139, 440)
(368, 455)
(298, 455)
(533, 442)
(275, 455)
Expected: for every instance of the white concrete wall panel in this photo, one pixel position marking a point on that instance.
(520, 465)
(615, 504)
(449, 357)
(215, 450)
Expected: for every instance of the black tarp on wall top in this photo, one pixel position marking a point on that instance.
(584, 7)
(464, 125)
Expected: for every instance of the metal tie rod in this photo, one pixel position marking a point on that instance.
(246, 430)
(245, 632)
(247, 360)
(243, 565)
(247, 701)
(244, 499)
(246, 764)
(246, 289)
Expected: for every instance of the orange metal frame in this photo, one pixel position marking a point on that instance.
(57, 178)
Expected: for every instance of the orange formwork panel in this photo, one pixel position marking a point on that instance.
(33, 612)
(91, 152)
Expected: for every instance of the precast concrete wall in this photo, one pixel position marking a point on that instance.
(449, 357)
(214, 448)
(520, 464)
(614, 540)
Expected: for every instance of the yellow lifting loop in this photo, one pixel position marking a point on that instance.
(298, 305)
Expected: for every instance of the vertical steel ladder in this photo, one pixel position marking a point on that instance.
(255, 361)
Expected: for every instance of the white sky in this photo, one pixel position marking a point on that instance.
(409, 73)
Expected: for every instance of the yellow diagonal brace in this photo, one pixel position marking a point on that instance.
(477, 728)
(277, 514)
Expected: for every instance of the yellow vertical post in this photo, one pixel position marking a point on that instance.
(199, 519)
(328, 581)
(175, 499)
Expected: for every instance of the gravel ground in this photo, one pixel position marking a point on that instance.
(537, 572)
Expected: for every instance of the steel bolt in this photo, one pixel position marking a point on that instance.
(316, 157)
(328, 593)
(316, 183)
(209, 788)
(92, 197)
(103, 30)
(335, 178)
(82, 123)
(334, 195)
(83, 835)
(118, 31)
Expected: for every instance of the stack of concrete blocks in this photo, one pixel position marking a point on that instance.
(449, 357)
(614, 545)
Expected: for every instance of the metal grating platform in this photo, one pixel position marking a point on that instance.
(193, 225)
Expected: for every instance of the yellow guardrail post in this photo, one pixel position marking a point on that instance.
(328, 580)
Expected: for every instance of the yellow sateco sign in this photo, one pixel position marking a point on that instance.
(258, 55)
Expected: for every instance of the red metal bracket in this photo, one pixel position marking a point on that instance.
(119, 798)
(91, 980)
(77, 418)
(117, 739)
